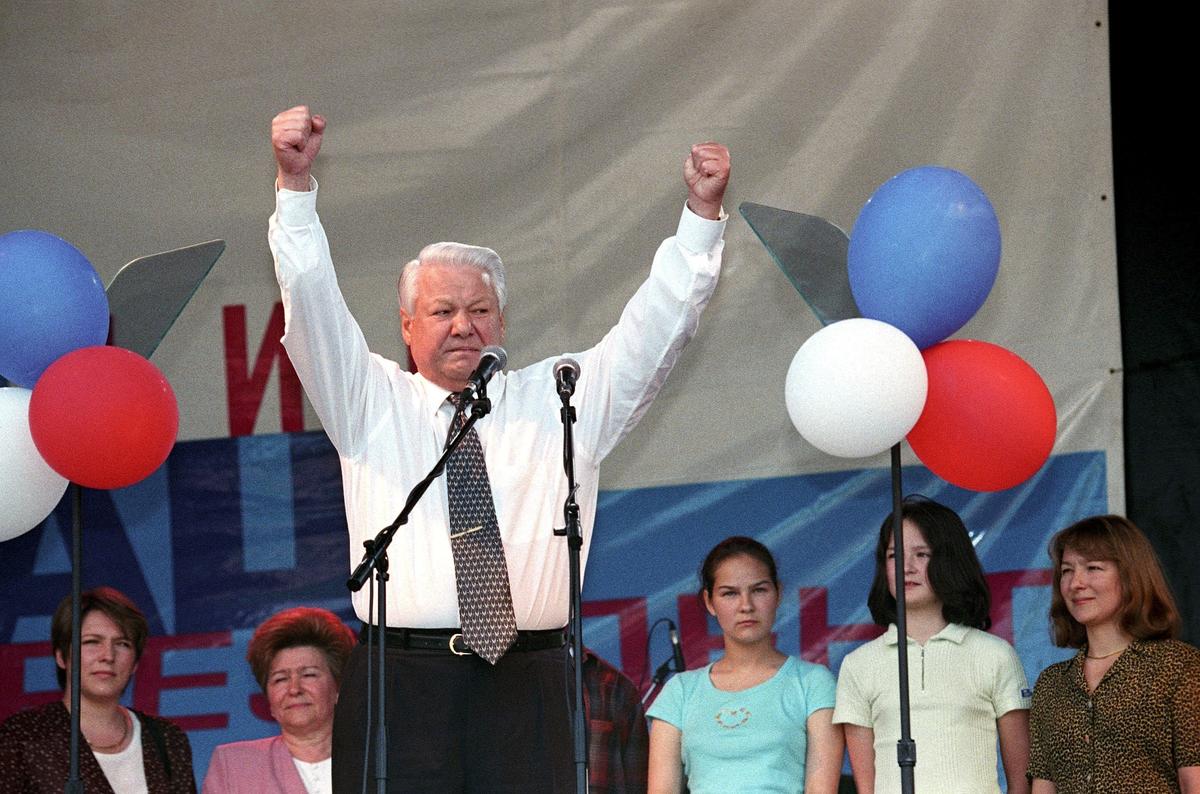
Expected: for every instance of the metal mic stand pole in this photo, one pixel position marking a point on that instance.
(574, 537)
(375, 558)
(906, 748)
(74, 784)
(381, 577)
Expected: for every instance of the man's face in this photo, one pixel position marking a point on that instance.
(455, 315)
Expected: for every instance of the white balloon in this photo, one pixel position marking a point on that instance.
(29, 488)
(856, 388)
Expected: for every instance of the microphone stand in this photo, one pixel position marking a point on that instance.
(664, 669)
(74, 784)
(375, 558)
(660, 675)
(906, 748)
(574, 536)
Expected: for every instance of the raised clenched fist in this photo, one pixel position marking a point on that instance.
(706, 172)
(296, 136)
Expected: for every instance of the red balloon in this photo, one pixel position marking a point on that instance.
(989, 420)
(103, 417)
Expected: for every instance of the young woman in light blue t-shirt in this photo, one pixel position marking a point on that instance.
(756, 720)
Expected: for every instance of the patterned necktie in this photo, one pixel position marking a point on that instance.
(485, 605)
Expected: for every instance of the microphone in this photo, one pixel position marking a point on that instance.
(492, 359)
(566, 373)
(664, 669)
(676, 649)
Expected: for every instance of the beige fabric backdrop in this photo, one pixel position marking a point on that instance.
(555, 132)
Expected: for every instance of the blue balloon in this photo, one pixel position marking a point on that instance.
(924, 253)
(51, 302)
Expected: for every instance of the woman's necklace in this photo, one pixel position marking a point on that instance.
(1107, 655)
(124, 735)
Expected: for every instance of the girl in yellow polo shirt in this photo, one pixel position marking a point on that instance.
(966, 687)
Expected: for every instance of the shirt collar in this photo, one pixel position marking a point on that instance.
(435, 396)
(953, 632)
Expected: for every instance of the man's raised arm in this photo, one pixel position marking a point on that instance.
(323, 341)
(626, 370)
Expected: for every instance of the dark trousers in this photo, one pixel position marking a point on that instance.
(458, 724)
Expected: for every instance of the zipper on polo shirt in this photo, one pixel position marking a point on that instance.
(922, 668)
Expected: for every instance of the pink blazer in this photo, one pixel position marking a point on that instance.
(260, 766)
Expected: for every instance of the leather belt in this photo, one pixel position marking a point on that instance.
(451, 640)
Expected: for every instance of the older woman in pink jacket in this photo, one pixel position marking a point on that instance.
(297, 657)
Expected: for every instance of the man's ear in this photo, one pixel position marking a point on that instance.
(406, 327)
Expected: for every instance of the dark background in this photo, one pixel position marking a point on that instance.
(1158, 238)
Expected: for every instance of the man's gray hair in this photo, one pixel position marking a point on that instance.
(459, 254)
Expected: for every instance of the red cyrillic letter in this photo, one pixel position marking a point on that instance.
(244, 388)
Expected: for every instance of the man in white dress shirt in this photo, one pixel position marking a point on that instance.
(456, 721)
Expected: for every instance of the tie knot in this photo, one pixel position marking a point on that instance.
(460, 414)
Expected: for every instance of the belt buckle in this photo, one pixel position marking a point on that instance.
(456, 651)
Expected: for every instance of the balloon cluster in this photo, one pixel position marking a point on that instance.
(923, 256)
(78, 410)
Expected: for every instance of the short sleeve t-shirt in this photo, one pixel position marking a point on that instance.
(752, 740)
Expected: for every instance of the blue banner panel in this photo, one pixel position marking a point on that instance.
(231, 530)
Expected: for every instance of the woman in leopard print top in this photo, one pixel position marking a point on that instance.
(1123, 714)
